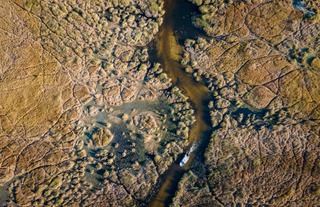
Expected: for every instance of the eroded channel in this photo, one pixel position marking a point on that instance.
(176, 28)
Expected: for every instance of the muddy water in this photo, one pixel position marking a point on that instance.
(3, 194)
(176, 28)
(169, 52)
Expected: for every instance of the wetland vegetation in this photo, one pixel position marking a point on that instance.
(159, 103)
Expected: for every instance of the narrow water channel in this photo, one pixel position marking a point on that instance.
(176, 28)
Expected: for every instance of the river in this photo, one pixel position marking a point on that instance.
(176, 28)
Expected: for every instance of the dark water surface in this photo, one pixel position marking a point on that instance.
(176, 28)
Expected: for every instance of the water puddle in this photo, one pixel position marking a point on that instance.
(3, 195)
(301, 6)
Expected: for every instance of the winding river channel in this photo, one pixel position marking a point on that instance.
(176, 28)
